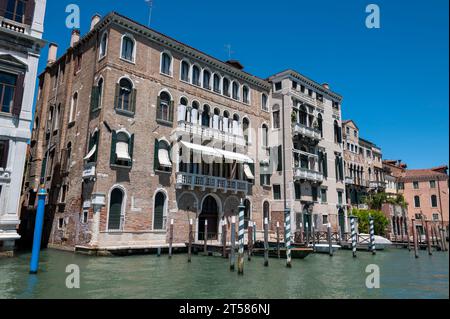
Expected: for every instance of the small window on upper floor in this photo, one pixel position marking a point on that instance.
(433, 184)
(319, 97)
(347, 130)
(20, 11)
(196, 75)
(206, 80)
(278, 86)
(294, 85)
(216, 83)
(264, 102)
(184, 71)
(103, 45)
(166, 64)
(416, 185)
(125, 100)
(226, 87)
(336, 105)
(235, 90)
(128, 49)
(355, 133)
(245, 94)
(122, 149)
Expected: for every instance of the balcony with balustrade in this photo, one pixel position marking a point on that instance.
(205, 133)
(306, 167)
(212, 183)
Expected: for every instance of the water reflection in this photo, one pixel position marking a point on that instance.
(318, 276)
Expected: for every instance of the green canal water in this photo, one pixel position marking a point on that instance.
(149, 276)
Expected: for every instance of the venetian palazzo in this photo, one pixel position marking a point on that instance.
(135, 130)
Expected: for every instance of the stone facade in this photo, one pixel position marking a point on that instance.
(21, 29)
(306, 124)
(364, 172)
(142, 131)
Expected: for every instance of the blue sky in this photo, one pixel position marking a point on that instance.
(394, 79)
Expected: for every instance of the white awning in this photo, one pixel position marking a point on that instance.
(91, 153)
(163, 158)
(202, 149)
(235, 156)
(248, 172)
(122, 151)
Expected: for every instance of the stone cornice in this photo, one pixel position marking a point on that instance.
(295, 75)
(161, 39)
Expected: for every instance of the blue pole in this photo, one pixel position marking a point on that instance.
(34, 264)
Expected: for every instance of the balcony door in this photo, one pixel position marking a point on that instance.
(210, 213)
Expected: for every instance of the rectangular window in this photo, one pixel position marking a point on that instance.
(323, 195)
(84, 219)
(435, 217)
(276, 192)
(294, 85)
(339, 198)
(278, 86)
(314, 193)
(276, 119)
(324, 219)
(4, 150)
(433, 201)
(78, 60)
(265, 179)
(60, 223)
(416, 185)
(432, 184)
(8, 84)
(302, 88)
(401, 185)
(416, 201)
(298, 191)
(319, 97)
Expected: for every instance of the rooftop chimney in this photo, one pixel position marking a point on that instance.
(235, 63)
(326, 86)
(52, 52)
(75, 37)
(95, 19)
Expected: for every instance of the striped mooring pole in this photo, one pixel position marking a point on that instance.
(353, 230)
(372, 235)
(39, 224)
(241, 239)
(233, 242)
(287, 236)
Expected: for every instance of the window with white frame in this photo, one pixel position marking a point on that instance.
(128, 48)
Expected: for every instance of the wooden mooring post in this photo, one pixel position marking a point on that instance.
(330, 242)
(266, 242)
(444, 242)
(307, 233)
(233, 242)
(170, 238)
(205, 238)
(414, 231)
(302, 237)
(278, 240)
(427, 237)
(407, 234)
(190, 241)
(224, 238)
(250, 240)
(313, 229)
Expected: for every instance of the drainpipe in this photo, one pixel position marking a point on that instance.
(283, 154)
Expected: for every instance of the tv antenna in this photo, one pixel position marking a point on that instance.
(150, 6)
(229, 51)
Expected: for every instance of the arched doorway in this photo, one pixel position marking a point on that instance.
(115, 209)
(210, 212)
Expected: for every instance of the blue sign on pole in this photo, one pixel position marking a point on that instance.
(34, 264)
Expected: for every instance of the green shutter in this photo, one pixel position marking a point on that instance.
(113, 158)
(155, 156)
(172, 108)
(158, 108)
(94, 98)
(116, 98)
(341, 168)
(130, 148)
(325, 165)
(133, 100)
(280, 159)
(95, 142)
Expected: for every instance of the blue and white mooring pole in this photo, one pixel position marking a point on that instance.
(372, 234)
(39, 224)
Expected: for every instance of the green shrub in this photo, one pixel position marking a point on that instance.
(380, 221)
